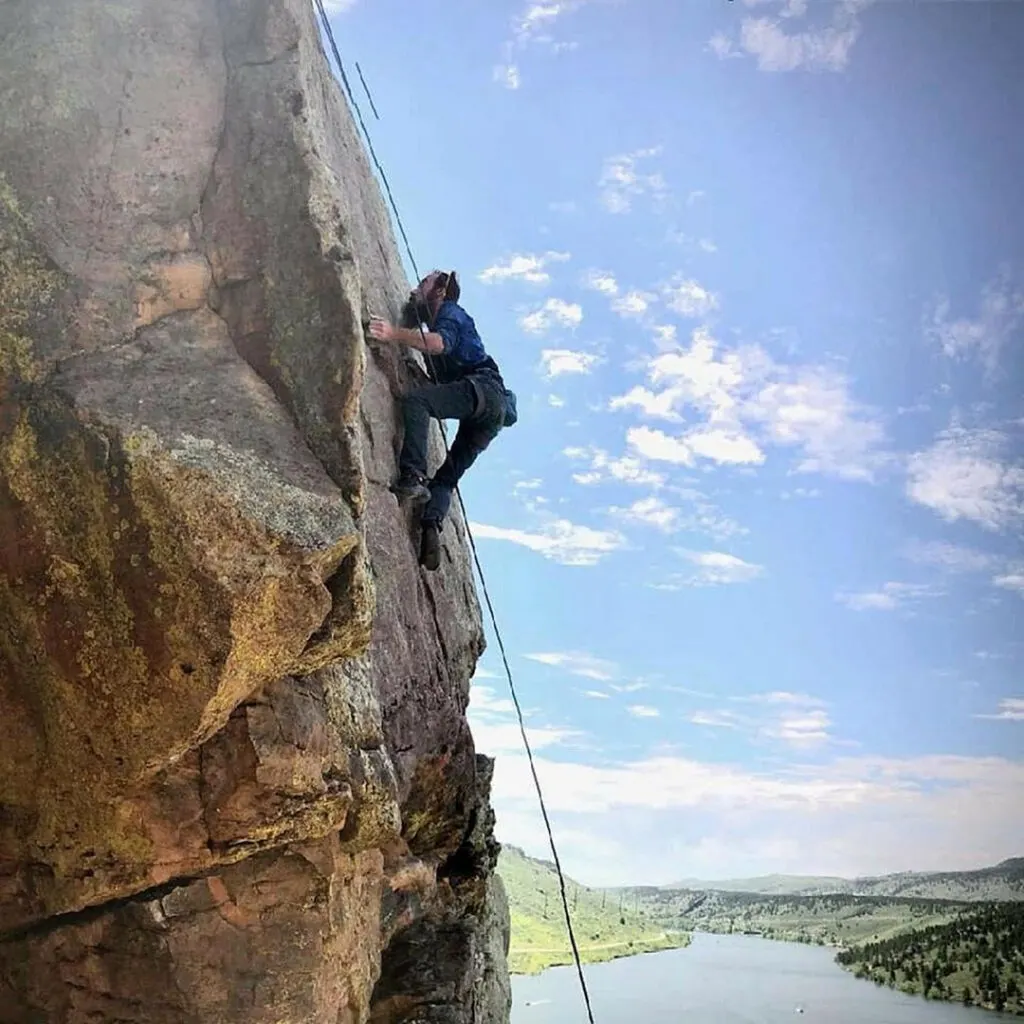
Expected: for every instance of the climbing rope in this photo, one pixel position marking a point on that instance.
(469, 533)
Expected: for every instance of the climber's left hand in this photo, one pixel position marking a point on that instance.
(381, 330)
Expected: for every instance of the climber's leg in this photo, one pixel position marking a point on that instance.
(440, 401)
(471, 439)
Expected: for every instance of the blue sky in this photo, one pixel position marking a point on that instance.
(756, 272)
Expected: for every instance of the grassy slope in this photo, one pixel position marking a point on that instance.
(539, 935)
(835, 919)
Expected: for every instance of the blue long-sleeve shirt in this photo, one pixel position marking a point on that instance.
(464, 351)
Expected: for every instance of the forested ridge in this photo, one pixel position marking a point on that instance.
(977, 959)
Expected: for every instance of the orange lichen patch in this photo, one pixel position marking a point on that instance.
(171, 286)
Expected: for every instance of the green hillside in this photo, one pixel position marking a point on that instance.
(606, 923)
(976, 959)
(835, 919)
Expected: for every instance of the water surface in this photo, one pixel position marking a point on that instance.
(728, 979)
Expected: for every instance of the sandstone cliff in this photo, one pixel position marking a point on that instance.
(236, 779)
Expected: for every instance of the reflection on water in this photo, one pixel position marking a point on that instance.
(728, 979)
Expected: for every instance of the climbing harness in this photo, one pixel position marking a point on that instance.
(469, 533)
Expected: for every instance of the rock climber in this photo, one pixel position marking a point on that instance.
(469, 388)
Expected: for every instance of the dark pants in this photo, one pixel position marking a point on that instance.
(456, 401)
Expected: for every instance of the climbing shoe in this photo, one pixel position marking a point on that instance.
(430, 547)
(411, 488)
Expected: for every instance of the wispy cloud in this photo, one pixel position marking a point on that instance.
(687, 297)
(643, 711)
(533, 26)
(952, 557)
(529, 267)
(715, 568)
(633, 304)
(555, 362)
(622, 181)
(558, 540)
(794, 719)
(1000, 315)
(1011, 581)
(601, 281)
(965, 475)
(693, 512)
(652, 511)
(606, 468)
(577, 663)
(1011, 709)
(554, 313)
(779, 46)
(889, 597)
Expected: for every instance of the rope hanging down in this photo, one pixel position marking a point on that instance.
(469, 533)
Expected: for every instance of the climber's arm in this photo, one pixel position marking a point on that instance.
(427, 341)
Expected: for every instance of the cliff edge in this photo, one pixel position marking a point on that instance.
(236, 778)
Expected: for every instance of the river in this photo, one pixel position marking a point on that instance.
(728, 979)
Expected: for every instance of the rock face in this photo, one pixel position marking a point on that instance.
(236, 779)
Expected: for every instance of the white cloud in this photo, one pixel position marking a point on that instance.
(688, 298)
(889, 597)
(724, 446)
(533, 27)
(605, 468)
(964, 476)
(729, 447)
(1011, 709)
(643, 711)
(659, 818)
(793, 719)
(559, 540)
(1000, 316)
(556, 401)
(556, 362)
(601, 281)
(554, 312)
(1011, 581)
(716, 719)
(665, 336)
(707, 245)
(577, 663)
(621, 181)
(529, 267)
(633, 303)
(652, 404)
(596, 695)
(507, 75)
(778, 47)
(808, 728)
(744, 390)
(651, 511)
(717, 567)
(338, 6)
(952, 557)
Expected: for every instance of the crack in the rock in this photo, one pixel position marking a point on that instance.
(97, 910)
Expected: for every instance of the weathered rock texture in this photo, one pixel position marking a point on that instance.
(236, 780)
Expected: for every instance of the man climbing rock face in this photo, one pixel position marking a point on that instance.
(469, 388)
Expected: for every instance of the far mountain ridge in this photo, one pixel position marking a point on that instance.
(1002, 881)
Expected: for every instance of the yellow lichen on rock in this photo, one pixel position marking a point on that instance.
(27, 287)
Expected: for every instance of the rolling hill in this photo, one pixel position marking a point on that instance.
(1001, 882)
(607, 925)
